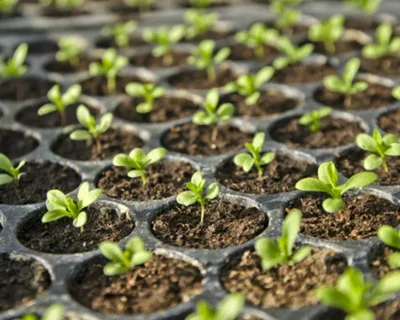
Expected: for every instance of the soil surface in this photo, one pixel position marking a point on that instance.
(24, 88)
(378, 261)
(66, 67)
(282, 286)
(296, 29)
(15, 144)
(57, 13)
(214, 4)
(240, 52)
(147, 60)
(363, 23)
(226, 224)
(303, 73)
(388, 65)
(97, 86)
(210, 35)
(389, 122)
(161, 283)
(341, 46)
(44, 46)
(106, 42)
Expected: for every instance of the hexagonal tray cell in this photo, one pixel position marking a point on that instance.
(29, 87)
(15, 144)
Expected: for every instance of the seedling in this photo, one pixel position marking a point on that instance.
(384, 45)
(257, 37)
(391, 237)
(92, 130)
(327, 182)
(199, 22)
(54, 312)
(164, 39)
(381, 147)
(356, 295)
(59, 101)
(346, 85)
(7, 6)
(14, 67)
(287, 16)
(328, 32)
(292, 53)
(70, 49)
(138, 161)
(368, 6)
(120, 32)
(60, 206)
(205, 59)
(62, 4)
(10, 174)
(148, 91)
(312, 120)
(203, 4)
(228, 309)
(247, 161)
(196, 187)
(142, 5)
(248, 85)
(111, 64)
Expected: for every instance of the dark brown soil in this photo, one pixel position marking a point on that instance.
(197, 140)
(65, 67)
(214, 4)
(280, 175)
(22, 280)
(210, 35)
(341, 46)
(334, 132)
(303, 73)
(61, 237)
(15, 144)
(24, 88)
(105, 43)
(376, 96)
(114, 141)
(226, 224)
(97, 86)
(388, 65)
(57, 13)
(119, 7)
(389, 122)
(161, 283)
(44, 46)
(378, 261)
(360, 218)
(283, 286)
(362, 23)
(296, 29)
(240, 52)
(147, 60)
(165, 109)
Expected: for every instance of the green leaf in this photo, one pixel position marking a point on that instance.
(258, 140)
(144, 107)
(54, 312)
(372, 162)
(394, 260)
(394, 150)
(327, 173)
(105, 122)
(230, 307)
(54, 215)
(350, 70)
(359, 180)
(334, 84)
(389, 236)
(361, 315)
(396, 92)
(386, 288)
(186, 198)
(213, 191)
(280, 63)
(269, 252)
(366, 142)
(301, 254)
(46, 109)
(140, 258)
(332, 205)
(212, 98)
(156, 155)
(112, 252)
(54, 93)
(197, 178)
(222, 55)
(225, 111)
(135, 244)
(71, 95)
(312, 184)
(244, 160)
(80, 221)
(135, 173)
(332, 297)
(57, 197)
(114, 269)
(20, 54)
(80, 135)
(5, 163)
(389, 139)
(252, 99)
(135, 89)
(263, 76)
(122, 160)
(83, 115)
(291, 228)
(5, 179)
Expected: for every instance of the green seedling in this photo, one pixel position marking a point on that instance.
(196, 187)
(111, 64)
(137, 161)
(368, 6)
(149, 92)
(346, 85)
(228, 309)
(286, 15)
(70, 49)
(205, 59)
(120, 32)
(381, 147)
(59, 101)
(7, 6)
(142, 5)
(199, 22)
(391, 237)
(62, 4)
(396, 92)
(273, 253)
(249, 85)
(164, 39)
(60, 206)
(15, 67)
(201, 4)
(92, 130)
(257, 37)
(312, 120)
(54, 312)
(327, 182)
(384, 45)
(356, 295)
(255, 158)
(292, 54)
(11, 174)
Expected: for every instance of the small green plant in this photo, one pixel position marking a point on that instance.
(381, 147)
(248, 85)
(368, 6)
(396, 92)
(202, 4)
(355, 295)
(384, 45)
(312, 120)
(7, 6)
(15, 67)
(59, 101)
(70, 49)
(292, 54)
(138, 161)
(327, 182)
(54, 312)
(199, 22)
(228, 309)
(60, 206)
(205, 59)
(111, 64)
(254, 159)
(196, 193)
(391, 237)
(148, 91)
(120, 32)
(286, 15)
(62, 4)
(10, 174)
(142, 5)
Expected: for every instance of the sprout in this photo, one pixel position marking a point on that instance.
(201, 3)
(7, 6)
(345, 85)
(327, 182)
(292, 53)
(355, 295)
(93, 130)
(257, 37)
(249, 85)
(148, 91)
(228, 309)
(54, 312)
(142, 5)
(70, 48)
(328, 32)
(380, 147)
(204, 58)
(59, 102)
(60, 206)
(138, 161)
(286, 15)
(391, 237)
(368, 6)
(199, 22)
(120, 32)
(111, 64)
(14, 67)
(196, 187)
(385, 45)
(62, 4)
(247, 161)
(396, 92)
(312, 120)
(11, 174)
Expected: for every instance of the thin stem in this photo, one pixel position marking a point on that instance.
(63, 118)
(211, 73)
(214, 136)
(259, 51)
(330, 47)
(168, 59)
(111, 83)
(202, 213)
(98, 145)
(385, 166)
(144, 180)
(347, 101)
